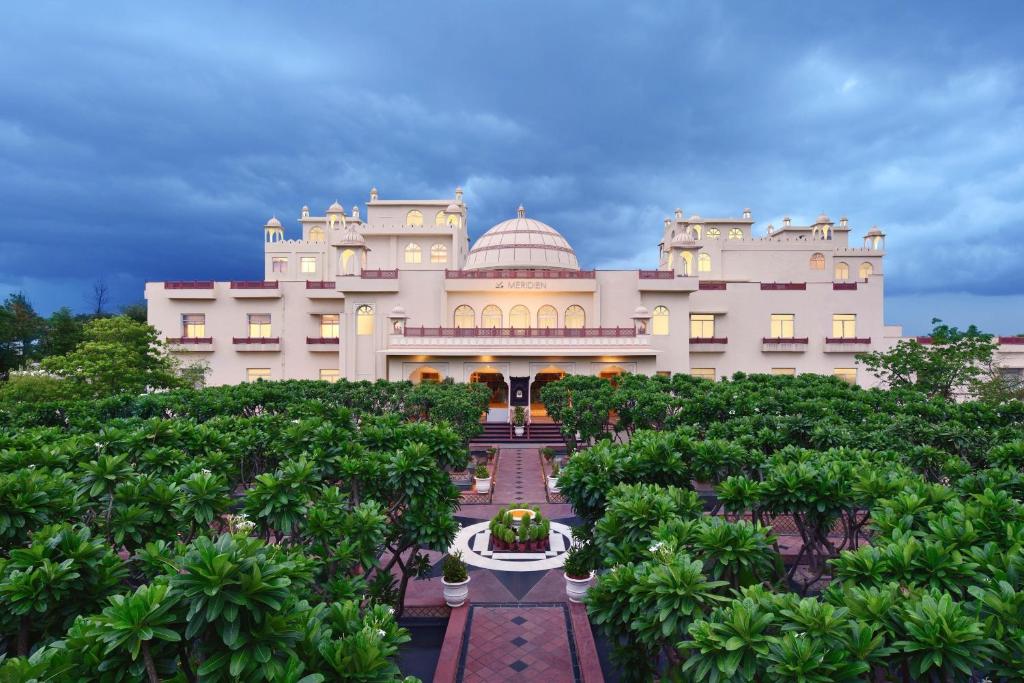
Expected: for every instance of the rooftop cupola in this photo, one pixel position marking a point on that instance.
(844, 222)
(373, 194)
(458, 195)
(747, 215)
(305, 212)
(335, 214)
(786, 222)
(521, 211)
(822, 227)
(679, 215)
(273, 231)
(874, 239)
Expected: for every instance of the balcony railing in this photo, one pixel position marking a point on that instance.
(254, 284)
(256, 340)
(519, 273)
(322, 340)
(847, 340)
(379, 274)
(321, 284)
(844, 285)
(189, 284)
(711, 284)
(519, 332)
(656, 274)
(1011, 340)
(709, 340)
(783, 286)
(784, 340)
(189, 340)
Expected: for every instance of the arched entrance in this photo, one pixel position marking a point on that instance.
(611, 373)
(495, 381)
(426, 375)
(551, 373)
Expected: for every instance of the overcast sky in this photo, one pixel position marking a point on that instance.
(142, 142)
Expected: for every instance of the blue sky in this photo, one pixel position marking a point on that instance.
(142, 142)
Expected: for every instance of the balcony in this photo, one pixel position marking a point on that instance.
(323, 344)
(321, 284)
(255, 289)
(844, 286)
(322, 289)
(711, 285)
(783, 286)
(708, 344)
(379, 274)
(190, 289)
(474, 341)
(256, 344)
(1011, 344)
(190, 344)
(847, 344)
(656, 274)
(519, 273)
(784, 344)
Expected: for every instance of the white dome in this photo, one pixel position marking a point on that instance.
(521, 242)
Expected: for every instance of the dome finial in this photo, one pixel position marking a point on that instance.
(521, 211)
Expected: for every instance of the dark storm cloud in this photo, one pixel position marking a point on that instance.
(141, 143)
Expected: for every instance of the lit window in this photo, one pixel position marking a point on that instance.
(817, 261)
(844, 325)
(659, 321)
(704, 263)
(491, 317)
(846, 374)
(464, 316)
(575, 318)
(364, 320)
(697, 228)
(519, 316)
(257, 374)
(703, 373)
(842, 271)
(702, 325)
(547, 317)
(413, 253)
(279, 264)
(713, 233)
(193, 325)
(453, 220)
(330, 326)
(348, 261)
(414, 218)
(788, 372)
(439, 219)
(307, 264)
(782, 325)
(663, 373)
(316, 235)
(439, 254)
(866, 270)
(687, 263)
(329, 375)
(735, 234)
(259, 325)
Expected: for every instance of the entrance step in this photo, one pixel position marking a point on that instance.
(537, 433)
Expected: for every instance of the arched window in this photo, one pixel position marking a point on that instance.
(464, 316)
(547, 317)
(704, 263)
(713, 233)
(348, 262)
(842, 271)
(697, 229)
(490, 317)
(866, 270)
(735, 234)
(454, 220)
(575, 318)
(659, 320)
(413, 253)
(439, 219)
(439, 254)
(414, 218)
(364, 320)
(687, 263)
(817, 261)
(519, 316)
(316, 235)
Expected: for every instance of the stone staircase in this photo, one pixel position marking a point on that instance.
(536, 433)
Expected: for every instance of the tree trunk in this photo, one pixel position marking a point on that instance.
(23, 633)
(150, 666)
(186, 665)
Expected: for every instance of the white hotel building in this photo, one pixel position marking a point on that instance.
(399, 293)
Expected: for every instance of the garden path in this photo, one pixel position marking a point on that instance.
(519, 477)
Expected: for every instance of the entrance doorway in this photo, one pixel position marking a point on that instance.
(611, 373)
(544, 376)
(425, 375)
(495, 381)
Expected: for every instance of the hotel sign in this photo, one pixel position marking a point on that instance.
(520, 284)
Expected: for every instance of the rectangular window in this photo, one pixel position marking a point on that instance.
(703, 373)
(844, 325)
(256, 374)
(702, 325)
(789, 372)
(364, 320)
(329, 375)
(259, 324)
(193, 325)
(330, 325)
(307, 264)
(279, 264)
(663, 373)
(783, 325)
(846, 374)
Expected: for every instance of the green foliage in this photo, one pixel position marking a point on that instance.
(454, 568)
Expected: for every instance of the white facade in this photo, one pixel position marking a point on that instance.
(400, 295)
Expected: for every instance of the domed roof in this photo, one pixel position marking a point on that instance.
(453, 208)
(273, 223)
(521, 242)
(335, 208)
(823, 219)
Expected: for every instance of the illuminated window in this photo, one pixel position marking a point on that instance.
(348, 262)
(316, 235)
(330, 326)
(846, 374)
(547, 317)
(490, 317)
(331, 375)
(364, 320)
(788, 372)
(413, 253)
(697, 228)
(844, 325)
(257, 374)
(279, 264)
(575, 318)
(519, 316)
(687, 263)
(817, 261)
(439, 254)
(735, 234)
(842, 271)
(703, 373)
(713, 233)
(454, 220)
(193, 325)
(782, 325)
(464, 316)
(866, 270)
(702, 325)
(659, 320)
(439, 219)
(663, 373)
(414, 218)
(259, 325)
(704, 263)
(307, 264)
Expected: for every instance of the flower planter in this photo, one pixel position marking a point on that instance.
(576, 589)
(553, 484)
(483, 485)
(455, 594)
(519, 430)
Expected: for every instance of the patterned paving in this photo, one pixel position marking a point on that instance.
(518, 643)
(519, 477)
(473, 542)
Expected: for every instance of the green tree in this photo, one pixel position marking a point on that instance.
(20, 330)
(64, 331)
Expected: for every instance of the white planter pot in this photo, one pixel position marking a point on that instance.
(576, 589)
(519, 430)
(553, 484)
(455, 594)
(483, 485)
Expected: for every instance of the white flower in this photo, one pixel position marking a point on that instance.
(206, 471)
(391, 610)
(380, 632)
(656, 546)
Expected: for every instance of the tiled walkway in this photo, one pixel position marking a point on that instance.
(525, 642)
(519, 479)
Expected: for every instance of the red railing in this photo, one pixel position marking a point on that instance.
(783, 286)
(656, 274)
(1011, 340)
(379, 274)
(844, 285)
(254, 284)
(923, 340)
(711, 284)
(519, 273)
(322, 340)
(321, 284)
(256, 340)
(519, 332)
(189, 284)
(847, 340)
(709, 340)
(189, 340)
(784, 340)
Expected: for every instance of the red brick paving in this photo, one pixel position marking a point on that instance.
(518, 644)
(520, 478)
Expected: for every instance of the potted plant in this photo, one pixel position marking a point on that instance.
(553, 478)
(455, 578)
(549, 453)
(519, 421)
(482, 477)
(579, 573)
